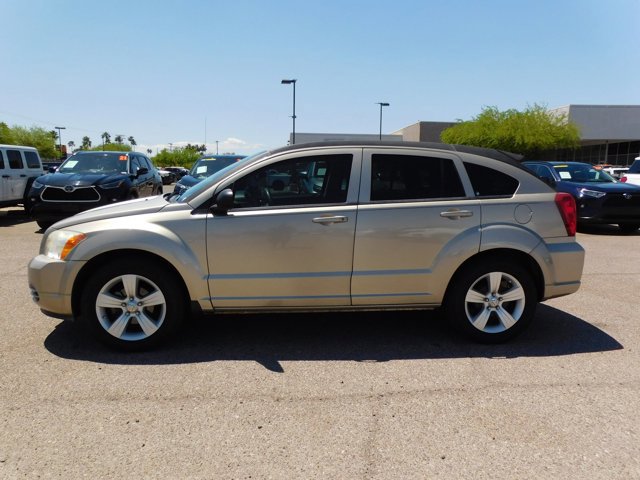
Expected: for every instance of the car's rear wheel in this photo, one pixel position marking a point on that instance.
(628, 227)
(132, 307)
(490, 301)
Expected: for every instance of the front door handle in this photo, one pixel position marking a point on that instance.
(328, 220)
(455, 214)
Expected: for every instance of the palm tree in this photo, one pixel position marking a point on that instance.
(118, 139)
(133, 143)
(86, 143)
(106, 138)
(149, 151)
(71, 144)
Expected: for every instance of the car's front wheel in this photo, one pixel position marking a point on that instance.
(132, 307)
(491, 301)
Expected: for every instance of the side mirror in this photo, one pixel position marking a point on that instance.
(224, 202)
(142, 171)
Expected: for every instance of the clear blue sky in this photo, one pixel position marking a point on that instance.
(160, 70)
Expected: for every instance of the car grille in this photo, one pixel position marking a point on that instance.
(617, 200)
(78, 194)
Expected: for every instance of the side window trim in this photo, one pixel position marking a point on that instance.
(365, 187)
(19, 158)
(352, 192)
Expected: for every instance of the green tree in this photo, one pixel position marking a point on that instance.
(86, 143)
(71, 144)
(118, 139)
(40, 138)
(529, 132)
(112, 147)
(106, 138)
(178, 157)
(6, 134)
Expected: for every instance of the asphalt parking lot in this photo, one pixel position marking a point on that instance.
(349, 396)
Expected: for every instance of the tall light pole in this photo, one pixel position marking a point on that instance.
(382, 104)
(216, 147)
(60, 137)
(288, 82)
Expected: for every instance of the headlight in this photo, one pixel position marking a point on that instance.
(60, 243)
(36, 184)
(591, 193)
(109, 185)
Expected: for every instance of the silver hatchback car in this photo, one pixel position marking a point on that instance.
(330, 226)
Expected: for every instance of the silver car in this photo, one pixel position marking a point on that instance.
(330, 226)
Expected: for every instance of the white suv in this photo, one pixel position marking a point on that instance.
(19, 167)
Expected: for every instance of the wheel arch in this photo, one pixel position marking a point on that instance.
(120, 255)
(503, 254)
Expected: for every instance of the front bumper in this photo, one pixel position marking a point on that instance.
(51, 284)
(613, 208)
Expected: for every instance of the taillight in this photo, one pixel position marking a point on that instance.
(623, 179)
(567, 207)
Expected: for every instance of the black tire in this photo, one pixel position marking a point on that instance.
(44, 224)
(628, 227)
(476, 306)
(115, 312)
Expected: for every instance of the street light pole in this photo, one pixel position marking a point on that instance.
(382, 104)
(293, 82)
(60, 137)
(216, 147)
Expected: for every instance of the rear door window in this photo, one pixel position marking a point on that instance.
(410, 177)
(489, 182)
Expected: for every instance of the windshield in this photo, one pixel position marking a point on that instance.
(582, 173)
(198, 188)
(96, 163)
(207, 166)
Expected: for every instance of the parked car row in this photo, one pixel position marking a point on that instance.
(89, 179)
(204, 167)
(600, 198)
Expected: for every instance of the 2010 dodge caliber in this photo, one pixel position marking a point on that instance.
(331, 226)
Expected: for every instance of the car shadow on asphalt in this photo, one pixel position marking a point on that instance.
(360, 337)
(11, 217)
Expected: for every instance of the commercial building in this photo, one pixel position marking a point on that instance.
(608, 134)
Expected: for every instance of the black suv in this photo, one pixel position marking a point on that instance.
(91, 179)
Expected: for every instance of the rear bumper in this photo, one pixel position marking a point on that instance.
(562, 265)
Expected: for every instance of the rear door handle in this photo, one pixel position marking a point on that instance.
(455, 214)
(329, 220)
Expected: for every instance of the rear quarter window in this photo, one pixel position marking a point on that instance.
(489, 182)
(32, 159)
